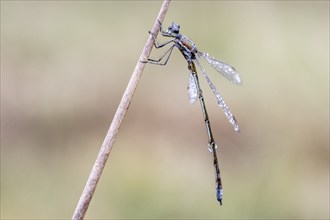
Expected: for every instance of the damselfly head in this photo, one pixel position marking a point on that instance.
(173, 30)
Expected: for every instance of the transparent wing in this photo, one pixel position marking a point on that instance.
(220, 100)
(192, 89)
(226, 70)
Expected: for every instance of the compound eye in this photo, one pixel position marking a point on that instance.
(176, 26)
(174, 29)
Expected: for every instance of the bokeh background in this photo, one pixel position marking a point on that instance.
(66, 64)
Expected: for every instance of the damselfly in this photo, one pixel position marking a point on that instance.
(192, 55)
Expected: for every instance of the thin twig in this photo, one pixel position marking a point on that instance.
(109, 140)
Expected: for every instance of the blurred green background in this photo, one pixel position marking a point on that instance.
(66, 64)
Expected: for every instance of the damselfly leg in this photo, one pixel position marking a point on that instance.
(158, 61)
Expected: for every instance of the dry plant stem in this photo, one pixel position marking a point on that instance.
(109, 140)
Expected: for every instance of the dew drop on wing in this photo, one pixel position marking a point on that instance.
(220, 100)
(226, 70)
(192, 89)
